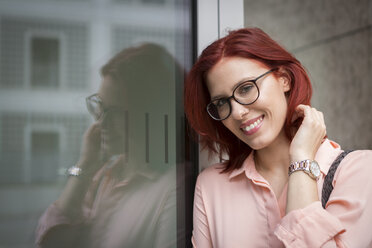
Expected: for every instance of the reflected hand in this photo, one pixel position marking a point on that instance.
(90, 159)
(310, 134)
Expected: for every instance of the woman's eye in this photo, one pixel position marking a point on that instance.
(245, 88)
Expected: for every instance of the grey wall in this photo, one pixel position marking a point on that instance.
(333, 40)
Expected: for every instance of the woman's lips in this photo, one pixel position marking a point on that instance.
(252, 126)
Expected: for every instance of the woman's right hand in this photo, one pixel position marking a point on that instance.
(310, 134)
(73, 195)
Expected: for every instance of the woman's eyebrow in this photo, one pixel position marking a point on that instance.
(245, 79)
(217, 97)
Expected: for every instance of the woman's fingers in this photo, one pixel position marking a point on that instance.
(91, 145)
(311, 116)
(310, 133)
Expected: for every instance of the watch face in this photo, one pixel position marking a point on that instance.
(314, 169)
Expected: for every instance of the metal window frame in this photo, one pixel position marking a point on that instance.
(215, 18)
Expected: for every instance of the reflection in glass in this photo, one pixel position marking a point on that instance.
(51, 52)
(118, 202)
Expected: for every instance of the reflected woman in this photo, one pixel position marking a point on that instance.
(114, 198)
(249, 101)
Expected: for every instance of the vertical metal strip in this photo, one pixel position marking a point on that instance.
(166, 139)
(218, 19)
(126, 138)
(147, 131)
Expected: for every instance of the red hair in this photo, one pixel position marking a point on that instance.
(250, 43)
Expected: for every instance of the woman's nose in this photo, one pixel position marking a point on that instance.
(238, 110)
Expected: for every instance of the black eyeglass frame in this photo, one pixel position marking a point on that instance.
(232, 96)
(95, 97)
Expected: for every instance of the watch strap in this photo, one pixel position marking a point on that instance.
(303, 165)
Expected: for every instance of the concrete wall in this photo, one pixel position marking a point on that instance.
(333, 40)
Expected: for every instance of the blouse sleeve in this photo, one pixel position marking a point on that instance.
(201, 234)
(347, 219)
(166, 228)
(58, 230)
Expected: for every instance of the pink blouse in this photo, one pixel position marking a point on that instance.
(136, 211)
(239, 209)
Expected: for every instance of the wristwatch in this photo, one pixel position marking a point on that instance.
(74, 171)
(311, 167)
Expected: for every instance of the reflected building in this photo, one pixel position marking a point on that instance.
(50, 55)
(42, 63)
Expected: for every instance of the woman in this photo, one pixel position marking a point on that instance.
(113, 198)
(249, 100)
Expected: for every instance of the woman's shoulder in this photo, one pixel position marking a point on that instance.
(357, 163)
(213, 173)
(330, 152)
(359, 158)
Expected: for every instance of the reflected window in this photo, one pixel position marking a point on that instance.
(45, 54)
(44, 155)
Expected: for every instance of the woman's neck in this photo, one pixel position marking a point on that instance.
(274, 158)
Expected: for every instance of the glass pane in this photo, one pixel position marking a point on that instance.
(130, 58)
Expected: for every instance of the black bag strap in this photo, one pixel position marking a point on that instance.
(327, 185)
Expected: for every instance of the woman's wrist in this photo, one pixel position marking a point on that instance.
(302, 191)
(86, 168)
(297, 157)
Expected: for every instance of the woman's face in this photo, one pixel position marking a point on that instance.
(267, 113)
(113, 121)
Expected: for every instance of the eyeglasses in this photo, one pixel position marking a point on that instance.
(98, 110)
(245, 93)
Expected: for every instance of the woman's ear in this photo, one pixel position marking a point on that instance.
(285, 80)
(286, 84)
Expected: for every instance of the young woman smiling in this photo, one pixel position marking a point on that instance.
(248, 98)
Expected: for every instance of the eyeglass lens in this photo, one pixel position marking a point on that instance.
(245, 94)
(95, 107)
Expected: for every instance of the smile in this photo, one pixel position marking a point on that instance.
(254, 126)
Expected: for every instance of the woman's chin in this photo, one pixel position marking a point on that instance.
(257, 144)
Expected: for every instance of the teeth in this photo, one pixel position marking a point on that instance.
(253, 125)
